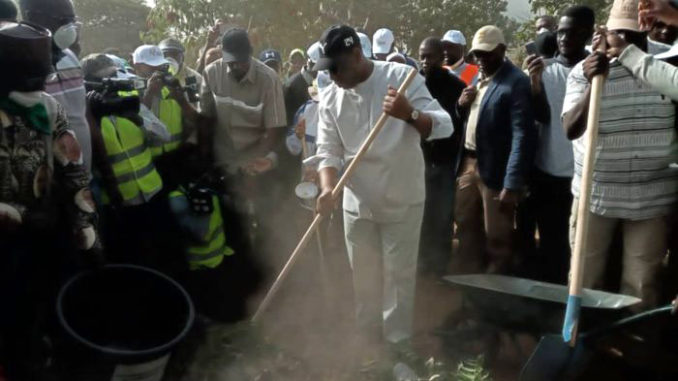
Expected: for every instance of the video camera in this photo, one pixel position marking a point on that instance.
(168, 79)
(115, 85)
(190, 87)
(110, 101)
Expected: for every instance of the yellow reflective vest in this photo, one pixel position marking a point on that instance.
(170, 115)
(131, 160)
(209, 250)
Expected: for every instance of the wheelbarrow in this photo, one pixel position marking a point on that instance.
(529, 306)
(515, 306)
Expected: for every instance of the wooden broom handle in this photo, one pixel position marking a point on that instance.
(582, 227)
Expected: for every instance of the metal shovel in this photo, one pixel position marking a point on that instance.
(556, 360)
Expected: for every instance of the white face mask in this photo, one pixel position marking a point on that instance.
(26, 99)
(66, 36)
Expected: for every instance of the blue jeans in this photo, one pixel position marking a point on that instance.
(435, 247)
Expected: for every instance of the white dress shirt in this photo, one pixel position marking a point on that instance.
(390, 177)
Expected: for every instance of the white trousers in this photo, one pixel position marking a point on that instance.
(383, 258)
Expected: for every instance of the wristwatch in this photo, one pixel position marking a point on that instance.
(414, 116)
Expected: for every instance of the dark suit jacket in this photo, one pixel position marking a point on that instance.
(296, 94)
(446, 88)
(506, 134)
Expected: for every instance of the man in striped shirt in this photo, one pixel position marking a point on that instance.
(633, 184)
(66, 84)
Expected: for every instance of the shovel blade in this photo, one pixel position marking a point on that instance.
(555, 360)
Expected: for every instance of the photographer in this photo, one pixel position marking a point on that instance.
(189, 79)
(122, 136)
(165, 96)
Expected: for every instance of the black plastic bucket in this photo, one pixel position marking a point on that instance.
(121, 323)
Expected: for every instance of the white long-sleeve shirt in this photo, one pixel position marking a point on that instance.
(390, 177)
(660, 75)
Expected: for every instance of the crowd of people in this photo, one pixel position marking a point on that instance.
(148, 161)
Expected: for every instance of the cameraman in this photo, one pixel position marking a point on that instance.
(190, 79)
(122, 136)
(165, 96)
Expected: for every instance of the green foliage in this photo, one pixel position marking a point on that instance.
(473, 370)
(556, 7)
(111, 24)
(436, 370)
(289, 24)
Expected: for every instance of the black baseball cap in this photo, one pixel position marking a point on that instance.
(270, 55)
(236, 45)
(334, 41)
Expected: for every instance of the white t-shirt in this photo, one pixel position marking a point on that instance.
(390, 178)
(554, 149)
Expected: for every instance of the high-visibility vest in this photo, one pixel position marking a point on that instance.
(171, 116)
(211, 247)
(131, 160)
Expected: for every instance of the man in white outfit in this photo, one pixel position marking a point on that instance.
(384, 199)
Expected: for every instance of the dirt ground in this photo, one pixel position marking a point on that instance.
(307, 334)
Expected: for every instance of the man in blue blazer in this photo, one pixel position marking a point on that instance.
(499, 146)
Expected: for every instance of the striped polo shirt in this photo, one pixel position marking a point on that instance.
(67, 86)
(632, 177)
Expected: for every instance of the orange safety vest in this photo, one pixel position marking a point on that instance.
(469, 73)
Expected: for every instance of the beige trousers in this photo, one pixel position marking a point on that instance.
(645, 245)
(486, 233)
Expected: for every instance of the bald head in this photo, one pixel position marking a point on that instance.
(431, 54)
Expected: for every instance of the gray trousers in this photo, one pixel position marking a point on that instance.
(383, 258)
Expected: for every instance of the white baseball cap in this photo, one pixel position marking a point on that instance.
(455, 37)
(365, 44)
(382, 41)
(313, 52)
(150, 55)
